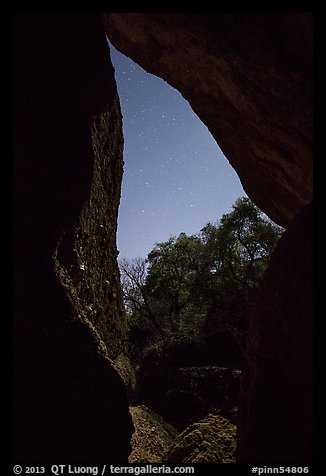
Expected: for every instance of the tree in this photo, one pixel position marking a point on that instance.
(238, 249)
(194, 286)
(237, 252)
(172, 268)
(137, 301)
(157, 290)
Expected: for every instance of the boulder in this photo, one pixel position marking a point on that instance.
(211, 440)
(152, 437)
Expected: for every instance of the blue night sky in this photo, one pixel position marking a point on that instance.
(176, 179)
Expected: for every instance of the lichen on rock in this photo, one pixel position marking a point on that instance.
(152, 437)
(211, 440)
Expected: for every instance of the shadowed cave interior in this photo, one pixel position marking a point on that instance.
(248, 77)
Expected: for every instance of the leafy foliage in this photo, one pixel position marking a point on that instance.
(192, 287)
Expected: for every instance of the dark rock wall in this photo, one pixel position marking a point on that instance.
(69, 404)
(248, 77)
(277, 406)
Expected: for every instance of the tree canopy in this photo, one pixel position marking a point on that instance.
(193, 286)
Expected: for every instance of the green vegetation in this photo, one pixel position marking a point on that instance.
(191, 287)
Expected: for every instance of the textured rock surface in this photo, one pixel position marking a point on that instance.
(152, 438)
(211, 440)
(126, 371)
(70, 405)
(280, 356)
(85, 258)
(249, 78)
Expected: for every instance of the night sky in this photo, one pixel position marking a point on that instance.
(176, 179)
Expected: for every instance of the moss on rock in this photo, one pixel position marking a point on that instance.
(211, 440)
(152, 437)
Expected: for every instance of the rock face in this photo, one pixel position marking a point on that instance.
(69, 402)
(127, 372)
(85, 258)
(152, 438)
(249, 78)
(211, 440)
(280, 356)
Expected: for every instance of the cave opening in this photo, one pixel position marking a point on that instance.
(176, 180)
(64, 390)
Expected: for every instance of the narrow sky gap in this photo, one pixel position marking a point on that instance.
(176, 179)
